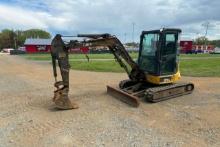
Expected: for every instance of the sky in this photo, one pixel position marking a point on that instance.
(117, 17)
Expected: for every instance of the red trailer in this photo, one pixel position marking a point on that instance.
(186, 47)
(84, 50)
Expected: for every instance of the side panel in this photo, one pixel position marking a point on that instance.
(167, 79)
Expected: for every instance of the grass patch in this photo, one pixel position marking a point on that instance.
(200, 67)
(196, 68)
(199, 55)
(190, 64)
(100, 66)
(47, 57)
(43, 57)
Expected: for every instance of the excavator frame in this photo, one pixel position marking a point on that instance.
(141, 84)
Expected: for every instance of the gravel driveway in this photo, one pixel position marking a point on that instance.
(28, 117)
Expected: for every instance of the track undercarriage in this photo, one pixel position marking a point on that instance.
(132, 92)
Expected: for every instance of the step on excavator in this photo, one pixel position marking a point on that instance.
(153, 77)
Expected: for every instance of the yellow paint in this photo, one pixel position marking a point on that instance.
(167, 78)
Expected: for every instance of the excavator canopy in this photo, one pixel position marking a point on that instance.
(158, 53)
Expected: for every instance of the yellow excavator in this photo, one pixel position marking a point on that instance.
(152, 77)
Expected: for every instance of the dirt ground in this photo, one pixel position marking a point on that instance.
(28, 117)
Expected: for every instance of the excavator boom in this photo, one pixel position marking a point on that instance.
(116, 48)
(96, 40)
(129, 91)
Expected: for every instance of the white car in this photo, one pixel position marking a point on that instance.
(22, 49)
(216, 50)
(7, 50)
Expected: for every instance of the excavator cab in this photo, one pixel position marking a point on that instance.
(158, 55)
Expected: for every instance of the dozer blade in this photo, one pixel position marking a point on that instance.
(123, 96)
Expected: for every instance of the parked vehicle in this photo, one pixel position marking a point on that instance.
(7, 50)
(216, 50)
(16, 52)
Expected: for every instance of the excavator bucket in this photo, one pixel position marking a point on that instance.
(123, 96)
(62, 101)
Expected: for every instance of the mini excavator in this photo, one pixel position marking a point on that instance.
(153, 77)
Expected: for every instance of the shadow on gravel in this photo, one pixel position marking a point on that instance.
(54, 109)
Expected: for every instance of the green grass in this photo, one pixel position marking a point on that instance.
(108, 56)
(190, 65)
(46, 57)
(200, 67)
(199, 55)
(100, 66)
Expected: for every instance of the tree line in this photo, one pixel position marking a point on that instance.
(205, 41)
(16, 38)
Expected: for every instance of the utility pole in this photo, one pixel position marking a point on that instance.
(206, 25)
(15, 43)
(15, 39)
(125, 35)
(133, 24)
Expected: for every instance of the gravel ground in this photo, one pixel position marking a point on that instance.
(28, 116)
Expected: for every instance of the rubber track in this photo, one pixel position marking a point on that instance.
(150, 93)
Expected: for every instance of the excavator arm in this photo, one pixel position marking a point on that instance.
(116, 48)
(59, 52)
